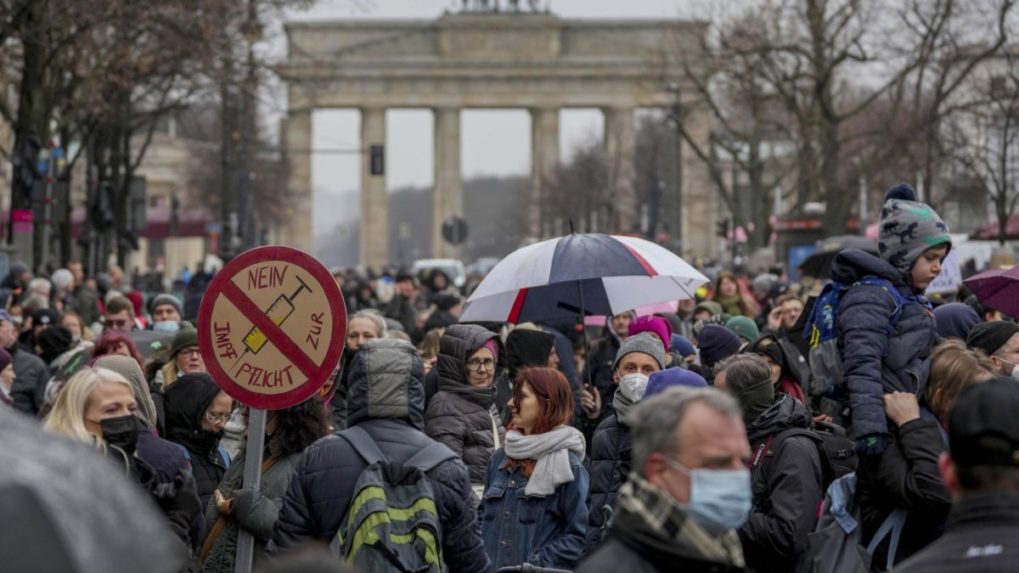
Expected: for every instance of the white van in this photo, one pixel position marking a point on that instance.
(453, 268)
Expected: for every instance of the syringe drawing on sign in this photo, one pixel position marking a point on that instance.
(278, 312)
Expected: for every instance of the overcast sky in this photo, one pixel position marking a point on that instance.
(493, 142)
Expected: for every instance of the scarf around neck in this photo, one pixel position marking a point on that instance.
(551, 451)
(652, 518)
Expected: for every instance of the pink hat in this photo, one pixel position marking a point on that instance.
(655, 325)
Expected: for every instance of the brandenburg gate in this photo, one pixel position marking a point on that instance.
(511, 60)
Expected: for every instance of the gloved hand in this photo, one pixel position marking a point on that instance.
(872, 444)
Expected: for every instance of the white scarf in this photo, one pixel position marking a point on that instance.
(551, 452)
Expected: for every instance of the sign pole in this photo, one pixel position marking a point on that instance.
(252, 480)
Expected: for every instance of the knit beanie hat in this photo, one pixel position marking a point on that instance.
(709, 305)
(185, 337)
(991, 336)
(662, 380)
(681, 345)
(654, 325)
(955, 320)
(744, 327)
(643, 342)
(165, 298)
(717, 343)
(908, 228)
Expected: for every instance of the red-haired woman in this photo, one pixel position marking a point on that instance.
(535, 504)
(113, 342)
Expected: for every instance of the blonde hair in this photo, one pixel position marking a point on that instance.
(954, 367)
(67, 417)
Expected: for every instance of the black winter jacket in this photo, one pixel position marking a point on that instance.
(787, 488)
(30, 377)
(386, 398)
(906, 477)
(173, 487)
(608, 465)
(460, 416)
(187, 399)
(875, 360)
(982, 535)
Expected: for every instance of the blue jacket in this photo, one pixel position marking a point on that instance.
(542, 531)
(877, 359)
(386, 398)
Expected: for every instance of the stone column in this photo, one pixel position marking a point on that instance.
(448, 196)
(700, 196)
(374, 249)
(296, 231)
(544, 160)
(620, 143)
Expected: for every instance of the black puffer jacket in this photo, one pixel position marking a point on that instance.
(786, 486)
(386, 398)
(608, 465)
(906, 477)
(459, 415)
(31, 376)
(187, 399)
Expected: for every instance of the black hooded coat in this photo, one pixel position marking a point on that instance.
(187, 399)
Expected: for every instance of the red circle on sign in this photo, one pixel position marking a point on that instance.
(224, 281)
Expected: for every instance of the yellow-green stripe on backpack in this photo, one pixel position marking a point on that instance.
(392, 524)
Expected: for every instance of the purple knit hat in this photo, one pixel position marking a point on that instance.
(655, 325)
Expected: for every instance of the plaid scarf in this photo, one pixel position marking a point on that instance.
(667, 523)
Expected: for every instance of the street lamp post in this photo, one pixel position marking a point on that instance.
(675, 115)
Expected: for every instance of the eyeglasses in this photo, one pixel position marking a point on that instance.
(117, 323)
(475, 365)
(187, 352)
(217, 419)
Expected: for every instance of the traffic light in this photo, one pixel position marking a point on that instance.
(377, 165)
(722, 228)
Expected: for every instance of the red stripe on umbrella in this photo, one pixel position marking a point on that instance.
(518, 305)
(651, 272)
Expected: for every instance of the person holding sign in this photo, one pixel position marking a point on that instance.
(232, 508)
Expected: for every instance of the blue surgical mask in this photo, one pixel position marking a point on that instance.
(166, 326)
(720, 500)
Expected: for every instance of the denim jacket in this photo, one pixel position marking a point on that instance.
(542, 531)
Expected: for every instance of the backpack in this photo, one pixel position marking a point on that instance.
(835, 545)
(835, 450)
(392, 523)
(821, 332)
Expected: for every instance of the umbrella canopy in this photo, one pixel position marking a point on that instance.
(997, 289)
(67, 509)
(590, 274)
(150, 341)
(818, 264)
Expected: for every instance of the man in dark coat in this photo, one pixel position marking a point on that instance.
(785, 467)
(609, 463)
(386, 398)
(30, 373)
(661, 524)
(401, 307)
(982, 472)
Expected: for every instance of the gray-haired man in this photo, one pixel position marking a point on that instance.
(688, 492)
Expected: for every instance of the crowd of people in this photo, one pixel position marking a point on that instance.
(742, 432)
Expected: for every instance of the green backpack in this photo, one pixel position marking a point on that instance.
(392, 524)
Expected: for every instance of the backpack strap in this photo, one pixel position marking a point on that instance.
(432, 455)
(893, 525)
(775, 441)
(364, 444)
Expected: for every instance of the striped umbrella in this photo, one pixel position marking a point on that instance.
(581, 274)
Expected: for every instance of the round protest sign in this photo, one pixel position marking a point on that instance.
(271, 327)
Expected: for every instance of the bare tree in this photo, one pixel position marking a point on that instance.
(983, 137)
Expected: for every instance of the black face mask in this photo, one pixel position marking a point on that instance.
(121, 432)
